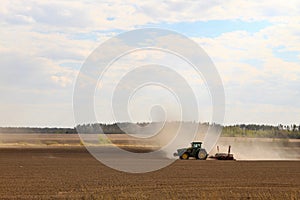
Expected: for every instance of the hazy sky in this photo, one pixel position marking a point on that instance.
(255, 46)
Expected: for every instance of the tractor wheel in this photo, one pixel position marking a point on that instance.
(184, 156)
(201, 155)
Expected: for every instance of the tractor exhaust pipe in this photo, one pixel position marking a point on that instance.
(229, 149)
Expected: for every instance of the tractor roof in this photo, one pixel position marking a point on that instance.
(196, 142)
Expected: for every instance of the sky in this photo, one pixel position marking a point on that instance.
(255, 46)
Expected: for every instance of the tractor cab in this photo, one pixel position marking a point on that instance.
(196, 145)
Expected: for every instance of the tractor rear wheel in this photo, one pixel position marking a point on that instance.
(184, 156)
(201, 155)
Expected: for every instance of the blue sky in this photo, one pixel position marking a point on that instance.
(254, 45)
(212, 28)
(289, 56)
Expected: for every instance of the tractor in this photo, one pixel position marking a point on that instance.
(194, 151)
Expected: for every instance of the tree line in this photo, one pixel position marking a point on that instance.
(22, 130)
(267, 131)
(240, 130)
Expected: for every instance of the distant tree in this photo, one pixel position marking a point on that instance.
(286, 127)
(294, 127)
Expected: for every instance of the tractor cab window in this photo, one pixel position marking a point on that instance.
(196, 145)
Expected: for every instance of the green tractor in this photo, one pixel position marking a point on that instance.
(194, 151)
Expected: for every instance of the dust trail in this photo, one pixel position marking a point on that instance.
(179, 135)
(261, 148)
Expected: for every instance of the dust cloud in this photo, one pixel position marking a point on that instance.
(242, 148)
(177, 135)
(260, 148)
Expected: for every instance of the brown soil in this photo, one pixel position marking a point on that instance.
(72, 173)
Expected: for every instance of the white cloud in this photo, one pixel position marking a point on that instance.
(260, 87)
(25, 71)
(93, 15)
(261, 113)
(38, 38)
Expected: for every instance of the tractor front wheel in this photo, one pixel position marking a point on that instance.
(184, 156)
